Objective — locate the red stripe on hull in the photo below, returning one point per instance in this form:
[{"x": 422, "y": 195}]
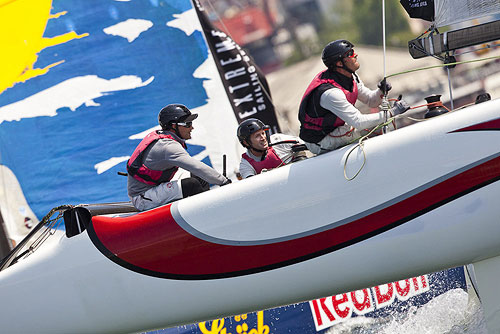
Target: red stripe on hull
[
  {"x": 154, "y": 244},
  {"x": 493, "y": 125}
]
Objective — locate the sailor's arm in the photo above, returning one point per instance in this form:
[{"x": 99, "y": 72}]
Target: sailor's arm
[
  {"x": 246, "y": 170},
  {"x": 371, "y": 98},
  {"x": 179, "y": 157},
  {"x": 282, "y": 145},
  {"x": 335, "y": 101}
]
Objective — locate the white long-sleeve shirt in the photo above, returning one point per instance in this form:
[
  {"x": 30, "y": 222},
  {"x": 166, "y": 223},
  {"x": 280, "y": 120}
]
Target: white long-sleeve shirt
[{"x": 335, "y": 100}]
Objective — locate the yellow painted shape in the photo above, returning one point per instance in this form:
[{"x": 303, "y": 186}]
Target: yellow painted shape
[
  {"x": 36, "y": 72},
  {"x": 22, "y": 24},
  {"x": 56, "y": 15},
  {"x": 61, "y": 39},
  {"x": 217, "y": 326}
]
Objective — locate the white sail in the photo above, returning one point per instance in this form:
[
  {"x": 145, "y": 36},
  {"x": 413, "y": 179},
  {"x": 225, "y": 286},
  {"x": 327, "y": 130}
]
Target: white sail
[
  {"x": 448, "y": 12},
  {"x": 75, "y": 123}
]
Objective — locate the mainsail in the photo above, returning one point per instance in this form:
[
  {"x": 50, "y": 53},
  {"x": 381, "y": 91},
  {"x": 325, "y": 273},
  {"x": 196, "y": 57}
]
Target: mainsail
[
  {"x": 446, "y": 12},
  {"x": 452, "y": 12},
  {"x": 455, "y": 11},
  {"x": 91, "y": 84}
]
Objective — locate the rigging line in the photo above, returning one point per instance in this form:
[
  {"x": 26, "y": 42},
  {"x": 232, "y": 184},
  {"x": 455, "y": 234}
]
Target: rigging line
[
  {"x": 421, "y": 49},
  {"x": 442, "y": 65},
  {"x": 488, "y": 46},
  {"x": 383, "y": 33},
  {"x": 266, "y": 93},
  {"x": 450, "y": 87},
  {"x": 385, "y": 103},
  {"x": 389, "y": 121},
  {"x": 219, "y": 19},
  {"x": 238, "y": 2},
  {"x": 361, "y": 146}
]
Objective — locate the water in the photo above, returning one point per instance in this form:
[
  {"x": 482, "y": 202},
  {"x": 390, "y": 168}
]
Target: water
[{"x": 449, "y": 313}]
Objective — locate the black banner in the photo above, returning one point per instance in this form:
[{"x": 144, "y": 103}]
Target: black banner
[
  {"x": 245, "y": 85},
  {"x": 419, "y": 9}
]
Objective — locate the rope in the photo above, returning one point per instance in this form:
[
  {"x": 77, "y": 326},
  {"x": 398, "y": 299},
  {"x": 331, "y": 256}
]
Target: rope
[
  {"x": 488, "y": 46},
  {"x": 383, "y": 34},
  {"x": 432, "y": 104},
  {"x": 389, "y": 121},
  {"x": 443, "y": 65},
  {"x": 50, "y": 227},
  {"x": 343, "y": 135},
  {"x": 361, "y": 146},
  {"x": 219, "y": 19}
]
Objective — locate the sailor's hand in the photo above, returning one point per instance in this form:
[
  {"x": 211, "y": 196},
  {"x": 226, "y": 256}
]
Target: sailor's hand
[
  {"x": 226, "y": 182},
  {"x": 384, "y": 86},
  {"x": 399, "y": 107}
]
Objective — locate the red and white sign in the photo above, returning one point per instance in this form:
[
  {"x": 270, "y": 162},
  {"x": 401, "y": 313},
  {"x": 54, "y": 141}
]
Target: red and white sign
[{"x": 332, "y": 310}]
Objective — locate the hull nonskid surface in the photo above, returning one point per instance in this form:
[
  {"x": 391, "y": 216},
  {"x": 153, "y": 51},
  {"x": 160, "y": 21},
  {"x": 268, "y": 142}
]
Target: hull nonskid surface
[{"x": 425, "y": 200}]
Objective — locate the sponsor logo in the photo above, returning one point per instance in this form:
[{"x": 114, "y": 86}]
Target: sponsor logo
[
  {"x": 332, "y": 310},
  {"x": 241, "y": 323}
]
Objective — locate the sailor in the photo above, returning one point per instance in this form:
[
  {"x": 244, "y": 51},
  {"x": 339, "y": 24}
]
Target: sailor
[
  {"x": 327, "y": 113},
  {"x": 159, "y": 155},
  {"x": 264, "y": 152}
]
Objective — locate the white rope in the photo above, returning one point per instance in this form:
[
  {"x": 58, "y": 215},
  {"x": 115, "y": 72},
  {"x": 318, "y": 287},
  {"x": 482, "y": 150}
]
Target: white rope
[
  {"x": 361, "y": 146},
  {"x": 385, "y": 103},
  {"x": 383, "y": 31}
]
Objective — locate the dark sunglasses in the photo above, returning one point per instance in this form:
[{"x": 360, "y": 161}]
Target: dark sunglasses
[
  {"x": 350, "y": 53},
  {"x": 186, "y": 125}
]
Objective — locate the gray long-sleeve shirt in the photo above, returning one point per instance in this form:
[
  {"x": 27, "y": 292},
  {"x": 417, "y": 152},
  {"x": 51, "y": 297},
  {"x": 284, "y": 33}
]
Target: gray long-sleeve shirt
[{"x": 167, "y": 153}]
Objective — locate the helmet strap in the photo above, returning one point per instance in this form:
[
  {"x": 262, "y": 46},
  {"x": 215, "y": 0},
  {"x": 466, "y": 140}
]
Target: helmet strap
[
  {"x": 251, "y": 148},
  {"x": 345, "y": 67},
  {"x": 263, "y": 156},
  {"x": 176, "y": 130}
]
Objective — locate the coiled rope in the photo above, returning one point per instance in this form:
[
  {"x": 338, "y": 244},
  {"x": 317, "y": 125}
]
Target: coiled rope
[{"x": 361, "y": 140}]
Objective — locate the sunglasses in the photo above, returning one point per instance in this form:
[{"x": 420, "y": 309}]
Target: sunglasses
[
  {"x": 186, "y": 125},
  {"x": 350, "y": 53}
]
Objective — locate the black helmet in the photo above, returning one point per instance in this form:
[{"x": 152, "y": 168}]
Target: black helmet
[
  {"x": 335, "y": 51},
  {"x": 175, "y": 113},
  {"x": 247, "y": 127}
]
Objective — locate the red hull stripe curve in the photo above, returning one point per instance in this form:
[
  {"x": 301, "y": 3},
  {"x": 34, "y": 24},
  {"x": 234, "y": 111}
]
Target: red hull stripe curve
[
  {"x": 493, "y": 125},
  {"x": 154, "y": 244}
]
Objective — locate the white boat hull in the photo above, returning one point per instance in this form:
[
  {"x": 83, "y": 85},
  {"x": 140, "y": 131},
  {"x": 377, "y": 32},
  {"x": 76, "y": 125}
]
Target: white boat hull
[{"x": 426, "y": 200}]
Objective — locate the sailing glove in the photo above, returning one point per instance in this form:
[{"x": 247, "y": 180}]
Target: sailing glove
[
  {"x": 226, "y": 182},
  {"x": 399, "y": 107},
  {"x": 384, "y": 86}
]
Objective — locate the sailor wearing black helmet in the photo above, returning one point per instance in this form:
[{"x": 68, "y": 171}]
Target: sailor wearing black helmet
[
  {"x": 327, "y": 113},
  {"x": 265, "y": 152},
  {"x": 158, "y": 157}
]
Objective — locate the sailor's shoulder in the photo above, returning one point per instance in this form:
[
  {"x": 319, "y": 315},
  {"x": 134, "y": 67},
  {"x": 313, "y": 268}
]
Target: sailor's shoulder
[{"x": 278, "y": 137}]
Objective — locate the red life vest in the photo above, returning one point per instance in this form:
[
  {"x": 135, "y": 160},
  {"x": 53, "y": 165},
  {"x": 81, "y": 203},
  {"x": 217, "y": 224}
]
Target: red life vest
[
  {"x": 139, "y": 171},
  {"x": 270, "y": 161},
  {"x": 316, "y": 121}
]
